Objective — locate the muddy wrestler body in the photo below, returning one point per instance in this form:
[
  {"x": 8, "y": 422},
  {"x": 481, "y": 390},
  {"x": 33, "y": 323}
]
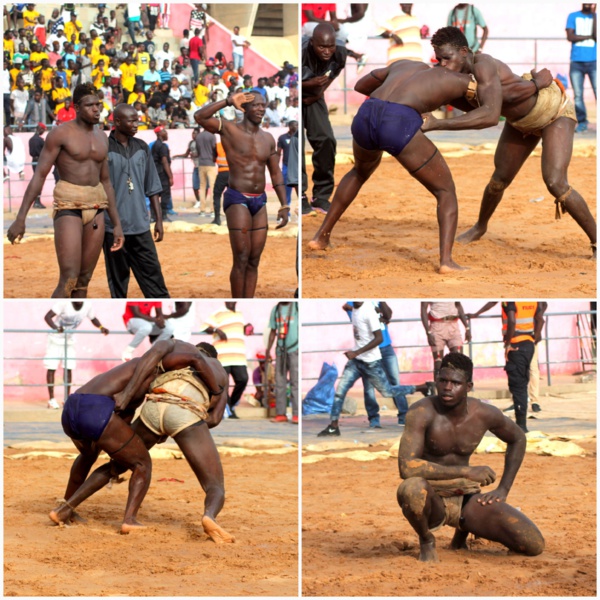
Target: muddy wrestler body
[
  {"x": 187, "y": 395},
  {"x": 440, "y": 488},
  {"x": 79, "y": 150},
  {"x": 249, "y": 150}
]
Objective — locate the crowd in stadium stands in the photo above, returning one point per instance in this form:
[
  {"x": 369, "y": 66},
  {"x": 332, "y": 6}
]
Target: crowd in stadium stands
[{"x": 46, "y": 57}]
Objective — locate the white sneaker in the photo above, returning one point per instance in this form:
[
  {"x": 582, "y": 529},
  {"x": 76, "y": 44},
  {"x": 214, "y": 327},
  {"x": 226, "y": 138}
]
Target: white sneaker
[
  {"x": 127, "y": 354},
  {"x": 196, "y": 205},
  {"x": 52, "y": 403}
]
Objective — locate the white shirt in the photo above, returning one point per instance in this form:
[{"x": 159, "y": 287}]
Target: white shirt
[
  {"x": 69, "y": 318},
  {"x": 240, "y": 39},
  {"x": 365, "y": 321},
  {"x": 290, "y": 114},
  {"x": 160, "y": 58}
]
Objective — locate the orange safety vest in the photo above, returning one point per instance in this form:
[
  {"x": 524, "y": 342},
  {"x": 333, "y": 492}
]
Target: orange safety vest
[
  {"x": 524, "y": 323},
  {"x": 221, "y": 159}
]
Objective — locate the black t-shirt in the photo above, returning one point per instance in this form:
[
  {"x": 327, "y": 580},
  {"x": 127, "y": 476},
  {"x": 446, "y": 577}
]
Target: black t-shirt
[
  {"x": 313, "y": 66},
  {"x": 160, "y": 149},
  {"x": 36, "y": 143},
  {"x": 284, "y": 143}
]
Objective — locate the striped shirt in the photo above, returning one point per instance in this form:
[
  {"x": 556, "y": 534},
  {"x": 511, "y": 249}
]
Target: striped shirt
[{"x": 233, "y": 351}]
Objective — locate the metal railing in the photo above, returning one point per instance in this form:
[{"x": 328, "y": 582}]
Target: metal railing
[
  {"x": 65, "y": 360},
  {"x": 547, "y": 339}
]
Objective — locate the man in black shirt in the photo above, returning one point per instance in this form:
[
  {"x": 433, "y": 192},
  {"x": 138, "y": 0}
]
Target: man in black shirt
[
  {"x": 36, "y": 143},
  {"x": 322, "y": 61},
  {"x": 162, "y": 161}
]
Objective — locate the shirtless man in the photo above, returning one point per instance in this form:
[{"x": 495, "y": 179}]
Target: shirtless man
[
  {"x": 547, "y": 115},
  {"x": 440, "y": 488},
  {"x": 79, "y": 149},
  {"x": 186, "y": 421},
  {"x": 249, "y": 150},
  {"x": 399, "y": 94}
]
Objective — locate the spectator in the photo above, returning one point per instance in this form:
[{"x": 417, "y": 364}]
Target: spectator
[
  {"x": 291, "y": 112},
  {"x": 137, "y": 95},
  {"x": 142, "y": 62},
  {"x": 99, "y": 74},
  {"x": 229, "y": 73},
  {"x": 581, "y": 32},
  {"x": 192, "y": 152},
  {"x": 140, "y": 323},
  {"x": 156, "y": 113},
  {"x": 239, "y": 43},
  {"x": 175, "y": 91},
  {"x": 66, "y": 113},
  {"x": 73, "y": 28},
  {"x": 207, "y": 156},
  {"x": 283, "y": 153},
  {"x": 165, "y": 54},
  {"x": 179, "y": 117},
  {"x": 201, "y": 93},
  {"x": 151, "y": 77},
  {"x": 149, "y": 44},
  {"x": 165, "y": 73},
  {"x": 272, "y": 114},
  {"x": 184, "y": 42},
  {"x": 162, "y": 162},
  {"x": 38, "y": 111},
  {"x": 133, "y": 20},
  {"x": 196, "y": 53},
  {"x": 36, "y": 144},
  {"x": 283, "y": 324},
  {"x": 229, "y": 331},
  {"x": 128, "y": 70},
  {"x": 221, "y": 182},
  {"x": 467, "y": 18},
  {"x": 18, "y": 103},
  {"x": 164, "y": 15},
  {"x": 14, "y": 151},
  {"x": 59, "y": 94},
  {"x": 153, "y": 11},
  {"x": 403, "y": 31}
]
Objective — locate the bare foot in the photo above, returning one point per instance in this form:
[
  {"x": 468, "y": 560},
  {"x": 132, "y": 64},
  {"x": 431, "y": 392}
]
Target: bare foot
[
  {"x": 133, "y": 525},
  {"x": 472, "y": 235},
  {"x": 77, "y": 518},
  {"x": 450, "y": 267},
  {"x": 459, "y": 541},
  {"x": 319, "y": 242},
  {"x": 428, "y": 552},
  {"x": 62, "y": 514},
  {"x": 216, "y": 532}
]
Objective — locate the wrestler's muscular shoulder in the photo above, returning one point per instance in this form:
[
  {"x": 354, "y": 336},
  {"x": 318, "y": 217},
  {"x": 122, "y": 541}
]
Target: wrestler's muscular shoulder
[{"x": 82, "y": 144}]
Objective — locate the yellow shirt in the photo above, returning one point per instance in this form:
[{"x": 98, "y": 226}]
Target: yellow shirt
[
  {"x": 70, "y": 29},
  {"x": 29, "y": 18},
  {"x": 128, "y": 78},
  {"x": 9, "y": 46},
  {"x": 37, "y": 57},
  {"x": 133, "y": 97},
  {"x": 96, "y": 57},
  {"x": 13, "y": 78},
  {"x": 200, "y": 94},
  {"x": 59, "y": 95},
  {"x": 98, "y": 77},
  {"x": 143, "y": 63},
  {"x": 142, "y": 121},
  {"x": 47, "y": 76}
]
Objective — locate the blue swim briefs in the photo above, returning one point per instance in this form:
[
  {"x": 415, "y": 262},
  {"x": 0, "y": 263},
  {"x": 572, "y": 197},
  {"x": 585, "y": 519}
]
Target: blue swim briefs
[
  {"x": 382, "y": 125},
  {"x": 252, "y": 202},
  {"x": 85, "y": 416}
]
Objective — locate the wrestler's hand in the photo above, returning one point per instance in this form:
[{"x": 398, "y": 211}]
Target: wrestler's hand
[
  {"x": 483, "y": 475},
  {"x": 118, "y": 239},
  {"x": 121, "y": 401},
  {"x": 542, "y": 78},
  {"x": 158, "y": 231},
  {"x": 283, "y": 214},
  {"x": 429, "y": 122},
  {"x": 241, "y": 98},
  {"x": 16, "y": 232},
  {"x": 497, "y": 495}
]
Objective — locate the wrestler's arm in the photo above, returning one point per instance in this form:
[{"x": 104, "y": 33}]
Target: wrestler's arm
[
  {"x": 371, "y": 81},
  {"x": 278, "y": 184},
  {"x": 412, "y": 448},
  {"x": 204, "y": 116},
  {"x": 143, "y": 369},
  {"x": 50, "y": 152},
  {"x": 118, "y": 238},
  {"x": 516, "y": 442},
  {"x": 489, "y": 92}
]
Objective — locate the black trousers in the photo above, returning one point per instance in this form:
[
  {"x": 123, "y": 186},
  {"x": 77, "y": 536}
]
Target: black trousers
[
  {"x": 517, "y": 366},
  {"x": 218, "y": 188},
  {"x": 138, "y": 255},
  {"x": 240, "y": 378},
  {"x": 320, "y": 135}
]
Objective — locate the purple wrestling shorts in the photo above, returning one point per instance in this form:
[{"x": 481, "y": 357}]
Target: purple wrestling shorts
[
  {"x": 382, "y": 125},
  {"x": 85, "y": 416},
  {"x": 253, "y": 202}
]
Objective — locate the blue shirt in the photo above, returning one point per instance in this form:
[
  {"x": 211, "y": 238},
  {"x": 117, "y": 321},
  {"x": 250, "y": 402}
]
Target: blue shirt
[
  {"x": 582, "y": 24},
  {"x": 387, "y": 340}
]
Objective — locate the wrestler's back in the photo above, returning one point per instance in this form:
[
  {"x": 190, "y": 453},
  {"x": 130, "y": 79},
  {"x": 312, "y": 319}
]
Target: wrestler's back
[
  {"x": 82, "y": 153},
  {"x": 247, "y": 156},
  {"x": 421, "y": 87}
]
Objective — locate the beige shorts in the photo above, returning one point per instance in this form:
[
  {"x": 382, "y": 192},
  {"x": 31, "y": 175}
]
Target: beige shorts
[
  {"x": 445, "y": 333},
  {"x": 55, "y": 353},
  {"x": 167, "y": 419}
]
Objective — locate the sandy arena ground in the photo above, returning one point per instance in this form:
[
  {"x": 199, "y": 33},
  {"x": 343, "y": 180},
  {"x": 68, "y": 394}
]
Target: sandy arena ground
[
  {"x": 356, "y": 542},
  {"x": 195, "y": 265},
  {"x": 386, "y": 244},
  {"x": 173, "y": 557}
]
